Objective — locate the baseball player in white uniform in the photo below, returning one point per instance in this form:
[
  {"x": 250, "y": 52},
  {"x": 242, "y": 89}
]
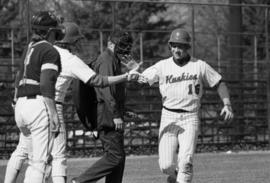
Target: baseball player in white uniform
[
  {"x": 181, "y": 79},
  {"x": 72, "y": 68}
]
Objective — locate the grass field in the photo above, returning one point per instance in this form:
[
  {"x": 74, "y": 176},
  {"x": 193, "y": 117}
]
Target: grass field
[{"x": 246, "y": 167}]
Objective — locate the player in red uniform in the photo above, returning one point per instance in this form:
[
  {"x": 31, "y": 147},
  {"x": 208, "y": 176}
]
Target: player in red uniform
[{"x": 35, "y": 111}]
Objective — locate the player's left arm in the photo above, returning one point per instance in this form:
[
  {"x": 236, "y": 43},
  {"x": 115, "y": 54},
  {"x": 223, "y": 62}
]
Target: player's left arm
[
  {"x": 224, "y": 95},
  {"x": 50, "y": 69},
  {"x": 214, "y": 79}
]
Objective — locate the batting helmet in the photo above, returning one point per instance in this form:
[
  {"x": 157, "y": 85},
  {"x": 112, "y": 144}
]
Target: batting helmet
[
  {"x": 123, "y": 42},
  {"x": 44, "y": 22},
  {"x": 180, "y": 36},
  {"x": 72, "y": 33}
]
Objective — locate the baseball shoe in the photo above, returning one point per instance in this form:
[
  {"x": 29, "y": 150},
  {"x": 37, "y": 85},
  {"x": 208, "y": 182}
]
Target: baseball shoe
[{"x": 171, "y": 179}]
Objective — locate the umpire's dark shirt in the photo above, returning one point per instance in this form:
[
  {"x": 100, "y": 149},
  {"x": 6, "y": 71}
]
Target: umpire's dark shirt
[{"x": 110, "y": 99}]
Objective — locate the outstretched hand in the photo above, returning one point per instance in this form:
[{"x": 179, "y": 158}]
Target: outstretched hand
[
  {"x": 132, "y": 65},
  {"x": 227, "y": 112},
  {"x": 134, "y": 75}
]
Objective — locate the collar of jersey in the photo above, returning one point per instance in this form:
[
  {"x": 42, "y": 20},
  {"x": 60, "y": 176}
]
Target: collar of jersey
[{"x": 39, "y": 42}]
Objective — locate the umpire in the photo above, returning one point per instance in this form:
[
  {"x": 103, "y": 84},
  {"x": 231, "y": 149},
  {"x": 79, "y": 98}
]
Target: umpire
[{"x": 110, "y": 114}]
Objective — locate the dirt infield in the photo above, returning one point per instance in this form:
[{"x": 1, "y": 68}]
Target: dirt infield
[{"x": 244, "y": 167}]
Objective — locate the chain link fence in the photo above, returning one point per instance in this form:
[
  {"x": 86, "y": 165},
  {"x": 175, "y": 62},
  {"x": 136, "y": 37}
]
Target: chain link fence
[{"x": 246, "y": 77}]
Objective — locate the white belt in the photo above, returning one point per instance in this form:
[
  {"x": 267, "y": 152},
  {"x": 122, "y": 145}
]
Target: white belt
[{"x": 28, "y": 81}]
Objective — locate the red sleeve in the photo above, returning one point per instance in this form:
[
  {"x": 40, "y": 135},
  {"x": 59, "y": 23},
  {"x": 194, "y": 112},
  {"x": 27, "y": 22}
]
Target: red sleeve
[
  {"x": 51, "y": 60},
  {"x": 50, "y": 70}
]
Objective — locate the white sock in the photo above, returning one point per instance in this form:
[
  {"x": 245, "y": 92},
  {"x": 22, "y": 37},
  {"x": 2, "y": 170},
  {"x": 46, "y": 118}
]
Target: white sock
[{"x": 59, "y": 179}]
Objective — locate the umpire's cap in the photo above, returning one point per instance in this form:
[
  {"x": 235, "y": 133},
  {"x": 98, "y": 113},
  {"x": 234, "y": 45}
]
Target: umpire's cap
[
  {"x": 180, "y": 36},
  {"x": 72, "y": 33}
]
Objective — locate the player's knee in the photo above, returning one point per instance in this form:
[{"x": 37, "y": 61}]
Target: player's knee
[
  {"x": 38, "y": 167},
  {"x": 117, "y": 158},
  {"x": 121, "y": 158},
  {"x": 16, "y": 162},
  {"x": 35, "y": 172}
]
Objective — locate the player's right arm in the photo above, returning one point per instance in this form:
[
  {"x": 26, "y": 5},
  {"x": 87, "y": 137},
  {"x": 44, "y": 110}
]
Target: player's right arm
[
  {"x": 112, "y": 80},
  {"x": 18, "y": 77},
  {"x": 15, "y": 97},
  {"x": 83, "y": 72},
  {"x": 151, "y": 74}
]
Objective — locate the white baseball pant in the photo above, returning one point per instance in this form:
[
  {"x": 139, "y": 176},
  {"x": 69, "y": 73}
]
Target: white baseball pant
[
  {"x": 177, "y": 142},
  {"x": 17, "y": 158},
  {"x": 59, "y": 162},
  {"x": 31, "y": 116},
  {"x": 23, "y": 149}
]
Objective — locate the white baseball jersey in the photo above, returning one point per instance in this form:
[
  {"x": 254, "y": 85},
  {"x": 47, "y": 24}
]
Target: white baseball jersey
[
  {"x": 72, "y": 67},
  {"x": 181, "y": 86}
]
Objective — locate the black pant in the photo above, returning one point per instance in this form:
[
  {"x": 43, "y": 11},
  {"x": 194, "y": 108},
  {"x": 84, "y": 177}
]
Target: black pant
[{"x": 112, "y": 163}]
